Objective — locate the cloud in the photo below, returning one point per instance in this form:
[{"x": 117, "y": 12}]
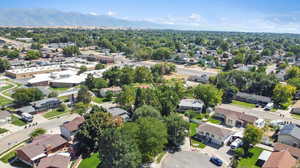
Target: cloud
[
  {"x": 93, "y": 13},
  {"x": 111, "y": 13},
  {"x": 195, "y": 17}
]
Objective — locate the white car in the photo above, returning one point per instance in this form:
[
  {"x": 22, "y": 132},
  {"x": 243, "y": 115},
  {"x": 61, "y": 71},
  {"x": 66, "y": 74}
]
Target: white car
[{"x": 236, "y": 143}]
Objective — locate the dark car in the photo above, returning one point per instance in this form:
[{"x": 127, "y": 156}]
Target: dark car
[{"x": 216, "y": 161}]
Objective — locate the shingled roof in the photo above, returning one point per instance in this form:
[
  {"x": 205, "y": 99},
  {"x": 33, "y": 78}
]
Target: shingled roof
[
  {"x": 54, "y": 161},
  {"x": 74, "y": 124},
  {"x": 236, "y": 115},
  {"x": 281, "y": 159},
  {"x": 216, "y": 130}
]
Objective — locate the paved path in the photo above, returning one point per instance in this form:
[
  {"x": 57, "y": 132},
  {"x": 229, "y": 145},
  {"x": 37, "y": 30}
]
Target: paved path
[
  {"x": 16, "y": 137},
  {"x": 187, "y": 160},
  {"x": 3, "y": 91}
]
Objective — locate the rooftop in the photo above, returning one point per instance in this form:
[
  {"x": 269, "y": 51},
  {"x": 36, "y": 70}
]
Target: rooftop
[
  {"x": 281, "y": 159},
  {"x": 34, "y": 69},
  {"x": 216, "y": 130},
  {"x": 191, "y": 103},
  {"x": 74, "y": 124},
  {"x": 290, "y": 129}
]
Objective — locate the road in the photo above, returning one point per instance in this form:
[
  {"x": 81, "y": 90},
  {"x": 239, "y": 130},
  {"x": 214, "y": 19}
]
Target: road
[
  {"x": 262, "y": 114},
  {"x": 16, "y": 137},
  {"x": 187, "y": 160}
]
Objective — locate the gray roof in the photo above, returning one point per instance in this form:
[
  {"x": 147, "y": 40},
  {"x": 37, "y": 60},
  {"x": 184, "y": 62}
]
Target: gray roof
[
  {"x": 43, "y": 101},
  {"x": 254, "y": 97},
  {"x": 26, "y": 109},
  {"x": 290, "y": 129},
  {"x": 118, "y": 112},
  {"x": 191, "y": 103}
]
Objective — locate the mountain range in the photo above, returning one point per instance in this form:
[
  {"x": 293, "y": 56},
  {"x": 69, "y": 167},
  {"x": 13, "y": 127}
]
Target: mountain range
[{"x": 52, "y": 17}]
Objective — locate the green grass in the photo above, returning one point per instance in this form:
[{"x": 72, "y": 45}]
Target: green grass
[
  {"x": 54, "y": 113},
  {"x": 193, "y": 129},
  {"x": 90, "y": 162},
  {"x": 160, "y": 156},
  {"x": 98, "y": 99},
  {"x": 3, "y": 130},
  {"x": 214, "y": 120},
  {"x": 64, "y": 98},
  {"x": 58, "y": 89},
  {"x": 4, "y": 101},
  {"x": 17, "y": 121},
  {"x": 249, "y": 162},
  {"x": 242, "y": 104},
  {"x": 6, "y": 87},
  {"x": 8, "y": 157},
  {"x": 197, "y": 144}
]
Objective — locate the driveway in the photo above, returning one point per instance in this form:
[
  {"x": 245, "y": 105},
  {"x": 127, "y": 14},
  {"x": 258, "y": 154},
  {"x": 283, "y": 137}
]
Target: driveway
[{"x": 187, "y": 160}]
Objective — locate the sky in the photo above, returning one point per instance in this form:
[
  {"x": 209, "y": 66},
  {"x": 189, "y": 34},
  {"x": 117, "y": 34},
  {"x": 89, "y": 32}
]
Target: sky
[{"x": 282, "y": 16}]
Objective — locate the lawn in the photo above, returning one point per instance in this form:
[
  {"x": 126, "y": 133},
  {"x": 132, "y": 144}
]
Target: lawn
[
  {"x": 249, "y": 162},
  {"x": 193, "y": 129},
  {"x": 214, "y": 120},
  {"x": 17, "y": 121},
  {"x": 6, "y": 87},
  {"x": 90, "y": 162},
  {"x": 197, "y": 144},
  {"x": 242, "y": 104},
  {"x": 4, "y": 101},
  {"x": 98, "y": 99},
  {"x": 58, "y": 89},
  {"x": 8, "y": 157},
  {"x": 3, "y": 130},
  {"x": 64, "y": 98},
  {"x": 54, "y": 113}
]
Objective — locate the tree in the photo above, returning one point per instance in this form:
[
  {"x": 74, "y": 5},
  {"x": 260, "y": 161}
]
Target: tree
[
  {"x": 119, "y": 150},
  {"x": 84, "y": 95},
  {"x": 53, "y": 94},
  {"x": 80, "y": 108},
  {"x": 82, "y": 69},
  {"x": 177, "y": 130},
  {"x": 152, "y": 137},
  {"x": 146, "y": 111},
  {"x": 163, "y": 68},
  {"x": 209, "y": 94},
  {"x": 4, "y": 65},
  {"x": 252, "y": 136},
  {"x": 24, "y": 96},
  {"x": 71, "y": 51},
  {"x": 127, "y": 97},
  {"x": 91, "y": 131},
  {"x": 100, "y": 66},
  {"x": 36, "y": 46},
  {"x": 32, "y": 54},
  {"x": 168, "y": 99},
  {"x": 293, "y": 72},
  {"x": 13, "y": 54},
  {"x": 37, "y": 132},
  {"x": 283, "y": 94},
  {"x": 294, "y": 82},
  {"x": 62, "y": 107},
  {"x": 143, "y": 75},
  {"x": 162, "y": 53}
]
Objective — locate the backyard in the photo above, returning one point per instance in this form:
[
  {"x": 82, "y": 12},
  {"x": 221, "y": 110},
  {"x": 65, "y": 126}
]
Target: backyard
[
  {"x": 249, "y": 161},
  {"x": 90, "y": 162}
]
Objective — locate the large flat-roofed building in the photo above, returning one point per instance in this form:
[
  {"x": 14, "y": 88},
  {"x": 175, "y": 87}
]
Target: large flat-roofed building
[{"x": 30, "y": 72}]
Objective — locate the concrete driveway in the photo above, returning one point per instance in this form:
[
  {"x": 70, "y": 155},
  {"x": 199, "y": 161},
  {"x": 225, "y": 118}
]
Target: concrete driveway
[{"x": 187, "y": 160}]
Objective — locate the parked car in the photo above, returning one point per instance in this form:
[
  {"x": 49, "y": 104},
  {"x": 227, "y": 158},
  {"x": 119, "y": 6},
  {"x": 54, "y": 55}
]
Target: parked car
[
  {"x": 269, "y": 106},
  {"x": 26, "y": 117},
  {"x": 236, "y": 144},
  {"x": 216, "y": 161}
]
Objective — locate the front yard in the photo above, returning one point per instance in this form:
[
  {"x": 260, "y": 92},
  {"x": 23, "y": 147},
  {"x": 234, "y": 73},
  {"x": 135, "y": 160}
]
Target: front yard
[
  {"x": 193, "y": 129},
  {"x": 249, "y": 161},
  {"x": 197, "y": 144},
  {"x": 8, "y": 157},
  {"x": 243, "y": 104},
  {"x": 54, "y": 113},
  {"x": 17, "y": 121},
  {"x": 91, "y": 162}
]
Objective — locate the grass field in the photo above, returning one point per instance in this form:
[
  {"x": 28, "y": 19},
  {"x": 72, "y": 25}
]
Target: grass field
[
  {"x": 16, "y": 121},
  {"x": 4, "y": 101},
  {"x": 90, "y": 162},
  {"x": 54, "y": 113},
  {"x": 249, "y": 162},
  {"x": 3, "y": 130},
  {"x": 214, "y": 120},
  {"x": 193, "y": 129},
  {"x": 8, "y": 157},
  {"x": 242, "y": 104},
  {"x": 98, "y": 99}
]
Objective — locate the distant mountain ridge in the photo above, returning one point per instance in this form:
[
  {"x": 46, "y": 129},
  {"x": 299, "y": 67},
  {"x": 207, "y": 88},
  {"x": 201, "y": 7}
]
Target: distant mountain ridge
[{"x": 51, "y": 17}]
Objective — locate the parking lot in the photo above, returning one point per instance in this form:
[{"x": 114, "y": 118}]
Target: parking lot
[{"x": 187, "y": 160}]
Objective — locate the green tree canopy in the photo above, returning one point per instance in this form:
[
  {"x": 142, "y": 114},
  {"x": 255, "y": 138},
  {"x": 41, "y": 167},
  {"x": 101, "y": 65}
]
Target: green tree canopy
[
  {"x": 146, "y": 111},
  {"x": 209, "y": 94}
]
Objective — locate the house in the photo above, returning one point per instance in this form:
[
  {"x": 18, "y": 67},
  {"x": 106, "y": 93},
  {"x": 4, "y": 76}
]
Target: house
[
  {"x": 40, "y": 147},
  {"x": 214, "y": 134},
  {"x": 59, "y": 160},
  {"x": 118, "y": 112},
  {"x": 295, "y": 152},
  {"x": 190, "y": 104},
  {"x": 282, "y": 159},
  {"x": 296, "y": 108},
  {"x": 234, "y": 118},
  {"x": 45, "y": 104},
  {"x": 252, "y": 98},
  {"x": 114, "y": 90},
  {"x": 69, "y": 129},
  {"x": 289, "y": 134}
]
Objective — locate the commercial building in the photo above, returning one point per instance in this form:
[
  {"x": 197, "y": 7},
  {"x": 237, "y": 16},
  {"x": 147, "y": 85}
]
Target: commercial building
[{"x": 30, "y": 72}]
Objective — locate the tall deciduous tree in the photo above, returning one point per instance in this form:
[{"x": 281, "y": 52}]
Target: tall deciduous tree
[
  {"x": 146, "y": 111},
  {"x": 84, "y": 95},
  {"x": 252, "y": 136},
  {"x": 209, "y": 94},
  {"x": 283, "y": 94}
]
